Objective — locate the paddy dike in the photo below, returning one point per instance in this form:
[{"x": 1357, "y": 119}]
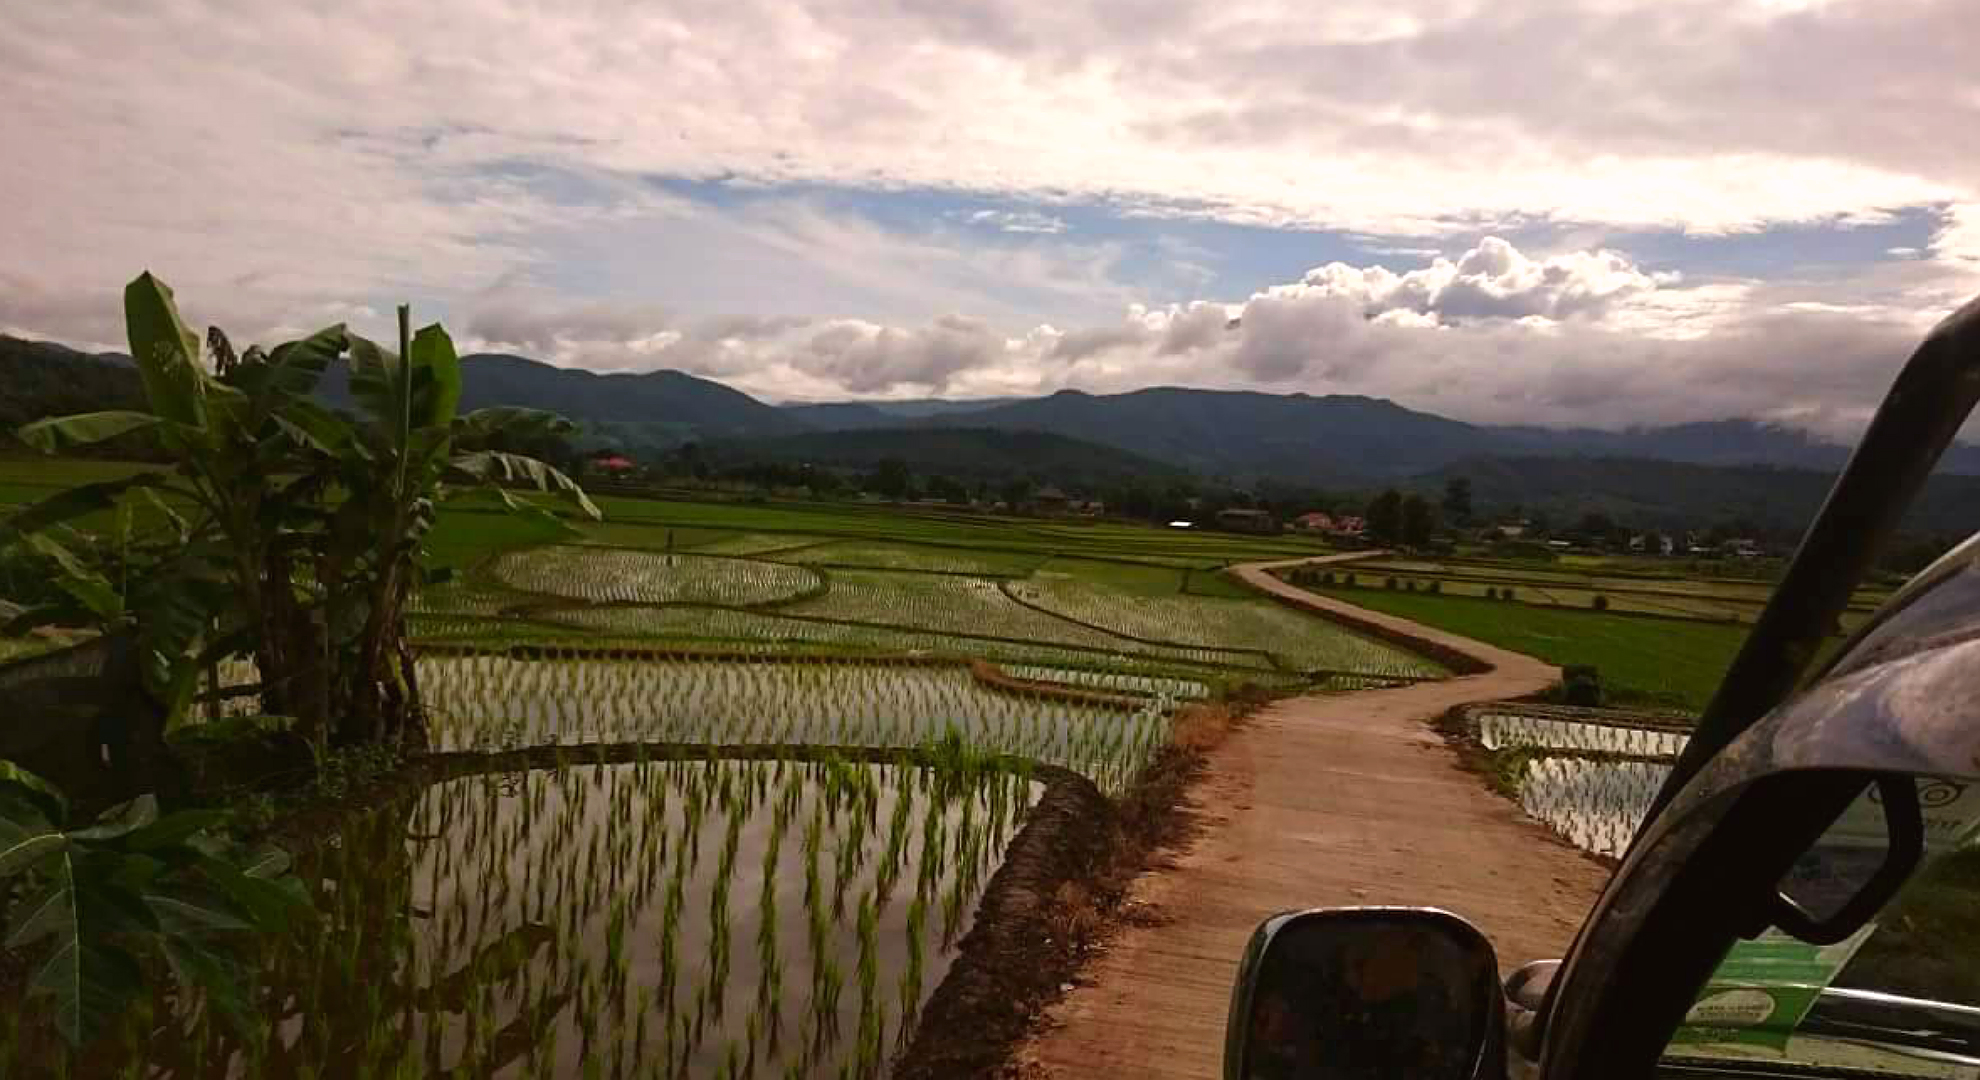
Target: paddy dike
[{"x": 1317, "y": 801}]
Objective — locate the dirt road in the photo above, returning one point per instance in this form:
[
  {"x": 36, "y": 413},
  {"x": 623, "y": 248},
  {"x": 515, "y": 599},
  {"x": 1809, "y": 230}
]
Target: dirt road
[{"x": 1343, "y": 799}]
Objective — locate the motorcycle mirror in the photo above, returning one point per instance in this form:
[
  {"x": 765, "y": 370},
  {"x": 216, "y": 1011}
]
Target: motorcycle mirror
[{"x": 1348, "y": 993}]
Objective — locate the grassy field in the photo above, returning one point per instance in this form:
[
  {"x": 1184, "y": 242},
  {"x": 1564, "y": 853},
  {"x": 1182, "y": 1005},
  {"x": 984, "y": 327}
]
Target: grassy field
[
  {"x": 1666, "y": 663},
  {"x": 1655, "y": 590}
]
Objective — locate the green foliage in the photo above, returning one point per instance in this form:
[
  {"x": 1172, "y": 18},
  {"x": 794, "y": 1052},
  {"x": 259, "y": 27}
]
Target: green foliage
[
  {"x": 1015, "y": 461},
  {"x": 1419, "y": 522},
  {"x": 1581, "y": 684},
  {"x": 304, "y": 527},
  {"x": 1384, "y": 518},
  {"x": 891, "y": 478},
  {"x": 1457, "y": 500},
  {"x": 101, "y": 897}
]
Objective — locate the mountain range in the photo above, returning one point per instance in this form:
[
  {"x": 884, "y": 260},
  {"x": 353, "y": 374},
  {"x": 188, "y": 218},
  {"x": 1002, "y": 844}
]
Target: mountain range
[
  {"x": 1339, "y": 439},
  {"x": 1239, "y": 438}
]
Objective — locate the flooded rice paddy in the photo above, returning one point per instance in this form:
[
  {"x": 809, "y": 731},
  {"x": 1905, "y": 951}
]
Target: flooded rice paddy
[
  {"x": 654, "y": 919},
  {"x": 1591, "y": 780},
  {"x": 495, "y": 702}
]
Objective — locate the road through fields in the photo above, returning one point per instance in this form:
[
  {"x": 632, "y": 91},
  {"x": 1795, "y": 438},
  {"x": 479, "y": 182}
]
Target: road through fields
[{"x": 1318, "y": 801}]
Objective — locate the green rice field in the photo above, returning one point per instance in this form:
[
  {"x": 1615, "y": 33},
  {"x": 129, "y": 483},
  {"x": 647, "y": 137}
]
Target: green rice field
[
  {"x": 1141, "y": 602},
  {"x": 1665, "y": 593},
  {"x": 1647, "y": 662}
]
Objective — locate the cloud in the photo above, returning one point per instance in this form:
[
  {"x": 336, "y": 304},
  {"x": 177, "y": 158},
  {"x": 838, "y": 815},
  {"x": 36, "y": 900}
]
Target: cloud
[
  {"x": 518, "y": 169},
  {"x": 1399, "y": 118},
  {"x": 1574, "y": 338},
  {"x": 1491, "y": 281}
]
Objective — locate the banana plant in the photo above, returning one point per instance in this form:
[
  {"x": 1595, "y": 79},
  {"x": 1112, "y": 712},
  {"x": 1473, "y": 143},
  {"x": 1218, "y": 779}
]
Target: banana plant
[
  {"x": 104, "y": 896},
  {"x": 302, "y": 527}
]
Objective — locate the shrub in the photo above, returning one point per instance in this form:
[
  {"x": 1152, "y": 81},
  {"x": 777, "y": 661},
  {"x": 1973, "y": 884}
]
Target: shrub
[
  {"x": 1581, "y": 684},
  {"x": 1390, "y": 583},
  {"x": 108, "y": 895},
  {"x": 1327, "y": 578},
  {"x": 1506, "y": 593},
  {"x": 1600, "y": 603},
  {"x": 1436, "y": 585}
]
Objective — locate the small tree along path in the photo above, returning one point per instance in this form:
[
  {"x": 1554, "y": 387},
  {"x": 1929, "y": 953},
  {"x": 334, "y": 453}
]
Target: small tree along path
[{"x": 1319, "y": 801}]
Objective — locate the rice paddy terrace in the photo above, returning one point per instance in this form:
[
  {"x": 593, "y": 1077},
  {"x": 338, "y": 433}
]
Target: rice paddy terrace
[
  {"x": 1143, "y": 615},
  {"x": 726, "y": 798}
]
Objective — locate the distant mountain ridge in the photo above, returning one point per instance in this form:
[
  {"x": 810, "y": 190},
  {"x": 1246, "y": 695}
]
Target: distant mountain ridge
[
  {"x": 854, "y": 415},
  {"x": 965, "y": 453},
  {"x": 701, "y": 407},
  {"x": 41, "y": 378},
  {"x": 1242, "y": 437},
  {"x": 1677, "y": 495}
]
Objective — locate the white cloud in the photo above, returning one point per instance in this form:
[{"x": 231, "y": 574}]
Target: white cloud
[
  {"x": 356, "y": 134},
  {"x": 495, "y": 161},
  {"x": 1492, "y": 281},
  {"x": 1565, "y": 343}
]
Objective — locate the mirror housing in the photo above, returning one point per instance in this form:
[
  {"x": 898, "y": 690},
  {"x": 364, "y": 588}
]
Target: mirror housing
[{"x": 1346, "y": 993}]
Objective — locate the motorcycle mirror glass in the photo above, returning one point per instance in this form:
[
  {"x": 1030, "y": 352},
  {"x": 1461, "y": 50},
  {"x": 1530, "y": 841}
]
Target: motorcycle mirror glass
[{"x": 1353, "y": 993}]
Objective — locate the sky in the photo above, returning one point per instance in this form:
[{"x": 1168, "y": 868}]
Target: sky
[{"x": 1593, "y": 212}]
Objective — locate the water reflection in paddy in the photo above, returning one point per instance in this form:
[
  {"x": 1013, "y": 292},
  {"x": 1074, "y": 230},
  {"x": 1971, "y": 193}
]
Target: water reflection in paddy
[{"x": 687, "y": 918}]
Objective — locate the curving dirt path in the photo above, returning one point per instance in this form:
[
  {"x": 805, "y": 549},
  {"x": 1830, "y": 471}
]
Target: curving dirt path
[{"x": 1318, "y": 801}]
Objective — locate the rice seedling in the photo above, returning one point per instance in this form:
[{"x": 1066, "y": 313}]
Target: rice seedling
[
  {"x": 958, "y": 604},
  {"x": 1513, "y": 725},
  {"x": 1113, "y": 682},
  {"x": 501, "y": 702},
  {"x": 1595, "y": 804},
  {"x": 1590, "y": 777},
  {"x": 557, "y": 922},
  {"x": 612, "y": 575},
  {"x": 1299, "y": 641}
]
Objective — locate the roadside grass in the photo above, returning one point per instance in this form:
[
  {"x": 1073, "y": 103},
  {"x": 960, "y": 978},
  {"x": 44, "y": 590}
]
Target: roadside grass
[{"x": 1666, "y": 663}]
